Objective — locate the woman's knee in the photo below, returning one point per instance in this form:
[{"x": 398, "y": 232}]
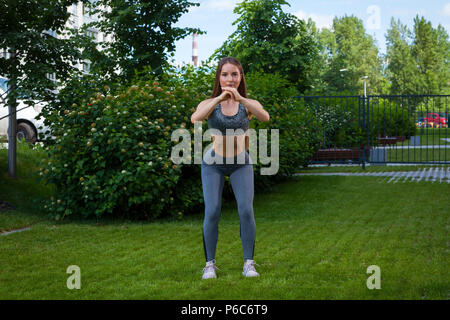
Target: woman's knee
[
  {"x": 246, "y": 212},
  {"x": 212, "y": 213}
]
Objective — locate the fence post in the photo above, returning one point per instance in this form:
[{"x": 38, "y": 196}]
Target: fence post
[
  {"x": 364, "y": 128},
  {"x": 367, "y": 127}
]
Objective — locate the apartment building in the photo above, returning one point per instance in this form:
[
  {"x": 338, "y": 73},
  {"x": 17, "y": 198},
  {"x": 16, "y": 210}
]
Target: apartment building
[
  {"x": 27, "y": 125},
  {"x": 79, "y": 16}
]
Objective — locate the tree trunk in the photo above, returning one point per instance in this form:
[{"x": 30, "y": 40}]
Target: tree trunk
[{"x": 12, "y": 127}]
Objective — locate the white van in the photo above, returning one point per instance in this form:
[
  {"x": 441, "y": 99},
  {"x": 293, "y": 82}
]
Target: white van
[{"x": 28, "y": 127}]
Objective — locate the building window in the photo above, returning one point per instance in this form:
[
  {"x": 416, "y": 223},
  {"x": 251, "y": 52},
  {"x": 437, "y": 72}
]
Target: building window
[
  {"x": 74, "y": 9},
  {"x": 50, "y": 33},
  {"x": 3, "y": 84},
  {"x": 92, "y": 34},
  {"x": 51, "y": 76},
  {"x": 87, "y": 10},
  {"x": 86, "y": 66},
  {"x": 4, "y": 53}
]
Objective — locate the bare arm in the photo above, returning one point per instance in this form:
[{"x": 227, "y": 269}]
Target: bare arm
[
  {"x": 253, "y": 107},
  {"x": 256, "y": 109},
  {"x": 207, "y": 106}
]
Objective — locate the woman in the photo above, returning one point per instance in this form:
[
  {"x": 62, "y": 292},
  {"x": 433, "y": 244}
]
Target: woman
[{"x": 228, "y": 108}]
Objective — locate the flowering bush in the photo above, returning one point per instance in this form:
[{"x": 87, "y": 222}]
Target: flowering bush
[{"x": 111, "y": 152}]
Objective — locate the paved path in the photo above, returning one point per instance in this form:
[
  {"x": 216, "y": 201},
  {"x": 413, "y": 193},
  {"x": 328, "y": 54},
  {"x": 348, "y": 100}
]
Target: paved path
[
  {"x": 431, "y": 146},
  {"x": 5, "y": 233},
  {"x": 438, "y": 174},
  {"x": 4, "y": 145}
]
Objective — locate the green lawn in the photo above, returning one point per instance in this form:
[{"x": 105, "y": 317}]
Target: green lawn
[
  {"x": 357, "y": 168},
  {"x": 316, "y": 236},
  {"x": 434, "y": 136},
  {"x": 435, "y": 154},
  {"x": 429, "y": 136},
  {"x": 24, "y": 191}
]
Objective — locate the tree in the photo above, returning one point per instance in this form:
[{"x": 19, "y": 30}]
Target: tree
[
  {"x": 27, "y": 30},
  {"x": 401, "y": 70},
  {"x": 142, "y": 31},
  {"x": 327, "y": 49},
  {"x": 357, "y": 53},
  {"x": 269, "y": 40},
  {"x": 418, "y": 60},
  {"x": 431, "y": 49}
]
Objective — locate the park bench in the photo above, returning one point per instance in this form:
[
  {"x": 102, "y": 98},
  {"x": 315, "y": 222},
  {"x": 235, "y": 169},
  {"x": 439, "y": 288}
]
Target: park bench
[
  {"x": 391, "y": 140},
  {"x": 331, "y": 154}
]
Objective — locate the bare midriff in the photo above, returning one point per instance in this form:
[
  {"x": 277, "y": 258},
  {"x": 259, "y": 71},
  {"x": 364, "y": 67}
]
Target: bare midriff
[{"x": 231, "y": 145}]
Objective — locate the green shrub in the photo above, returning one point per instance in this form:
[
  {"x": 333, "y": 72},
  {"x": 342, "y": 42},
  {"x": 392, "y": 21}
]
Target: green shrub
[
  {"x": 340, "y": 126},
  {"x": 112, "y": 145},
  {"x": 388, "y": 118},
  {"x": 342, "y": 120},
  {"x": 298, "y": 128},
  {"x": 112, "y": 152}
]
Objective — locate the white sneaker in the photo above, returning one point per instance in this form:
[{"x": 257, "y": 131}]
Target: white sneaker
[
  {"x": 249, "y": 269},
  {"x": 209, "y": 271}
]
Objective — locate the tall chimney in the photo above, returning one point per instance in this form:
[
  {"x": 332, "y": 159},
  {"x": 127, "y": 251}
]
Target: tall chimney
[{"x": 194, "y": 49}]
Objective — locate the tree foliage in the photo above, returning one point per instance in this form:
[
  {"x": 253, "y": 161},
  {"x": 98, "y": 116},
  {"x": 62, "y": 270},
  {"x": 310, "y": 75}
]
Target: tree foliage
[
  {"x": 268, "y": 40},
  {"x": 350, "y": 47},
  {"x": 143, "y": 34},
  {"x": 27, "y": 30},
  {"x": 431, "y": 49},
  {"x": 401, "y": 69},
  {"x": 418, "y": 59}
]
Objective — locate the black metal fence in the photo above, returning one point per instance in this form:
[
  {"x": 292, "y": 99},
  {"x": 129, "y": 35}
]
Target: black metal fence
[{"x": 381, "y": 128}]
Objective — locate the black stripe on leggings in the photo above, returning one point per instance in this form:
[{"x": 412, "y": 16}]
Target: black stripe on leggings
[
  {"x": 253, "y": 250},
  {"x": 204, "y": 245}
]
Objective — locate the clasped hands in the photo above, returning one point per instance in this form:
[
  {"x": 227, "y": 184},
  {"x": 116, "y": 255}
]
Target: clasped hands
[{"x": 230, "y": 93}]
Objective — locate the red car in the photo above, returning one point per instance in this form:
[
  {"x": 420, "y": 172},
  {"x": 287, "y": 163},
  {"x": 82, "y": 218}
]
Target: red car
[{"x": 436, "y": 120}]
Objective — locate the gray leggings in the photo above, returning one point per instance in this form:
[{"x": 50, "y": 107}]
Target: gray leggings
[{"x": 241, "y": 177}]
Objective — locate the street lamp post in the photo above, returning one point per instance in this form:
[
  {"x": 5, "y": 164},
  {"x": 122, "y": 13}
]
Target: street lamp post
[
  {"x": 342, "y": 75},
  {"x": 365, "y": 121},
  {"x": 365, "y": 91}
]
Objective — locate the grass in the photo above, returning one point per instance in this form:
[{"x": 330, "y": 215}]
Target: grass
[
  {"x": 316, "y": 236},
  {"x": 23, "y": 191},
  {"x": 429, "y": 136},
  {"x": 369, "y": 168},
  {"x": 412, "y": 154}
]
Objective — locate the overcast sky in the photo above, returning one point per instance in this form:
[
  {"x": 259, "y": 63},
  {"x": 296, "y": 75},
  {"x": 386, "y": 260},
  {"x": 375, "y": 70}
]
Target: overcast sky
[{"x": 216, "y": 18}]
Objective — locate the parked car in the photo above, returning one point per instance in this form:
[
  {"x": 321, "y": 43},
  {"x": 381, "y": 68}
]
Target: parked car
[
  {"x": 422, "y": 123},
  {"x": 436, "y": 120},
  {"x": 28, "y": 127}
]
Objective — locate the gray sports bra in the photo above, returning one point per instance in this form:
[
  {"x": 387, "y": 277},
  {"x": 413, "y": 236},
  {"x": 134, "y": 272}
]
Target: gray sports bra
[{"x": 221, "y": 122}]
